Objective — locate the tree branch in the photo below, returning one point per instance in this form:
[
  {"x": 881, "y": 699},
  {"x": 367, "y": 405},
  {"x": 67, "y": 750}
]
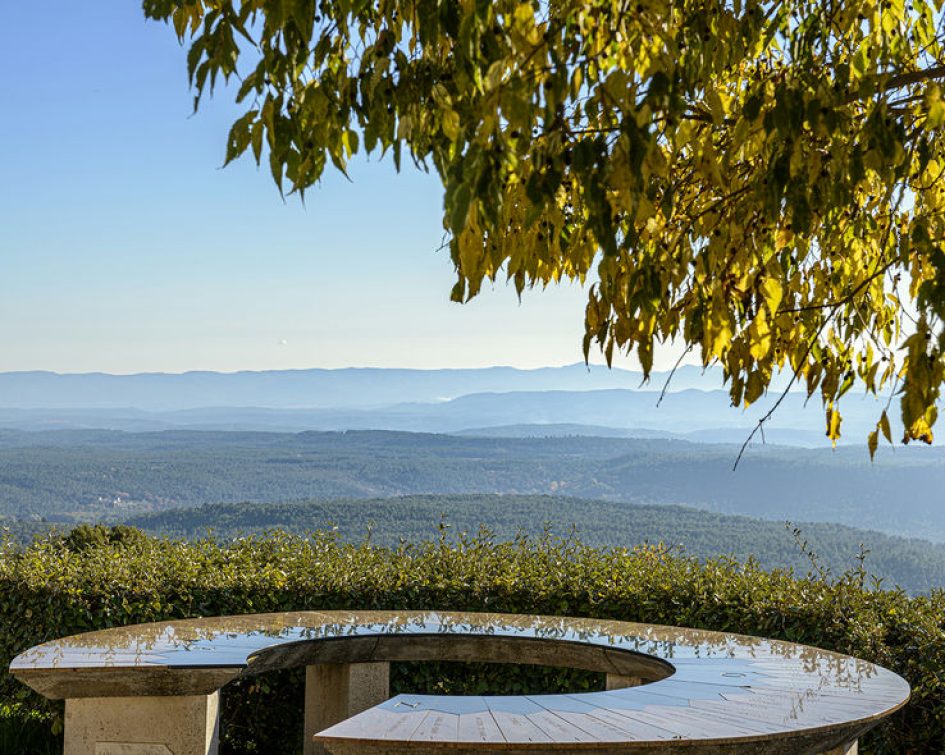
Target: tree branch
[{"x": 914, "y": 77}]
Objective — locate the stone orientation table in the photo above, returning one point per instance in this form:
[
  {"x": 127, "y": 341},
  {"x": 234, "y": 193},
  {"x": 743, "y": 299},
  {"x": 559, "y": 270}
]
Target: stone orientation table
[{"x": 153, "y": 689}]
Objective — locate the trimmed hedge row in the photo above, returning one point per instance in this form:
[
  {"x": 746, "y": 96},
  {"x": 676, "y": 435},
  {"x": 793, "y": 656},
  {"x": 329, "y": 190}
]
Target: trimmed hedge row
[{"x": 97, "y": 578}]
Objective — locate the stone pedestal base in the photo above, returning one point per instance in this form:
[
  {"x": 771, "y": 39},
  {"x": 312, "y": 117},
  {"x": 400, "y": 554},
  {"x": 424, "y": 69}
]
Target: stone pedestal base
[
  {"x": 336, "y": 691},
  {"x": 618, "y": 681},
  {"x": 850, "y": 748},
  {"x": 142, "y": 725}
]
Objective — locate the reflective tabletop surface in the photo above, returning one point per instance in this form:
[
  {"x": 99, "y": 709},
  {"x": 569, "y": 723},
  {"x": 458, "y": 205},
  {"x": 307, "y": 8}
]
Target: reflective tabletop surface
[{"x": 714, "y": 684}]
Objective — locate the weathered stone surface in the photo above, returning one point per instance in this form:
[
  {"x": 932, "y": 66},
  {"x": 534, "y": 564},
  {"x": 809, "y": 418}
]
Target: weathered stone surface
[
  {"x": 621, "y": 681},
  {"x": 708, "y": 692},
  {"x": 337, "y": 691},
  {"x": 151, "y": 681},
  {"x": 142, "y": 725},
  {"x": 125, "y": 748}
]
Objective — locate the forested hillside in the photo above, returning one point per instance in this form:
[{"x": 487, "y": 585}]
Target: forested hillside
[
  {"x": 89, "y": 475},
  {"x": 916, "y": 565}
]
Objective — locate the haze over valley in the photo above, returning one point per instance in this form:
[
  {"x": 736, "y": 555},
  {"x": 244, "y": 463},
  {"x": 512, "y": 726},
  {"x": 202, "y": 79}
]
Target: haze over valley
[
  {"x": 571, "y": 400},
  {"x": 574, "y": 447}
]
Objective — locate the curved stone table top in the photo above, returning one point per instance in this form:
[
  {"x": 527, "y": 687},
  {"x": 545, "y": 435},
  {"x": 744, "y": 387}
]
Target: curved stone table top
[{"x": 715, "y": 692}]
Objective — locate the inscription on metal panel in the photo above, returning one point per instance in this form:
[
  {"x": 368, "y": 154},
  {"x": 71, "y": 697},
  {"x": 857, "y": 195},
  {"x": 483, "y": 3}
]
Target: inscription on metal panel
[{"x": 131, "y": 748}]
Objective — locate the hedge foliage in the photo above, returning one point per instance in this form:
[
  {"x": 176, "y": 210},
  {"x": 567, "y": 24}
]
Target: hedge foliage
[{"x": 97, "y": 578}]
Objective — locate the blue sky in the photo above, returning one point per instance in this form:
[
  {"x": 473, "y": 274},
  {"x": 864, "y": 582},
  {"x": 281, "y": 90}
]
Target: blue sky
[{"x": 126, "y": 248}]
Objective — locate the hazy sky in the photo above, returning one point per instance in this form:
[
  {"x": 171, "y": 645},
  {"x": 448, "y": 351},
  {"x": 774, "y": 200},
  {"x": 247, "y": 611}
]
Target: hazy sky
[{"x": 125, "y": 248}]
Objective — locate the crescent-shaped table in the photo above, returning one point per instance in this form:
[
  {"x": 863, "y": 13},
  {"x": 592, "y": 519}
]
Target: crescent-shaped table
[{"x": 152, "y": 689}]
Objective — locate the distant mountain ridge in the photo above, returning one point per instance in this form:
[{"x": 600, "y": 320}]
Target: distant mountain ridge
[
  {"x": 316, "y": 388},
  {"x": 701, "y": 416}
]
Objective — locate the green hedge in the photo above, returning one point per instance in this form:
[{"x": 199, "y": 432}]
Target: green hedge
[{"x": 97, "y": 578}]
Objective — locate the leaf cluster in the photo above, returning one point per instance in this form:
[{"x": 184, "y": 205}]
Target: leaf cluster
[{"x": 760, "y": 180}]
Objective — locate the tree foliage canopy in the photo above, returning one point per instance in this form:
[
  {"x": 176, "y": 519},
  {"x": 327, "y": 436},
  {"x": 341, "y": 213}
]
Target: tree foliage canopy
[{"x": 761, "y": 181}]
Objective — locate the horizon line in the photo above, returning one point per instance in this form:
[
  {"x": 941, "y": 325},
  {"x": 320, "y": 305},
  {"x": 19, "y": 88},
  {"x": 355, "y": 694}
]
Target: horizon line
[{"x": 361, "y": 368}]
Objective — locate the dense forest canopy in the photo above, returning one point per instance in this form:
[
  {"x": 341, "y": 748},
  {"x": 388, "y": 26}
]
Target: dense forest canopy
[
  {"x": 818, "y": 547},
  {"x": 760, "y": 181},
  {"x": 74, "y": 476}
]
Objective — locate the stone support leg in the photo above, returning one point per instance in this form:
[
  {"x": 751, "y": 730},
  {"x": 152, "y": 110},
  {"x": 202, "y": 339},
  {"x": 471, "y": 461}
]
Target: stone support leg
[
  {"x": 850, "y": 748},
  {"x": 618, "y": 681},
  {"x": 336, "y": 691},
  {"x": 142, "y": 725}
]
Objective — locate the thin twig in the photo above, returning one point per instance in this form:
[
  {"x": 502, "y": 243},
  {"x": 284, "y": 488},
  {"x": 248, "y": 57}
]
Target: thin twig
[
  {"x": 671, "y": 373},
  {"x": 759, "y": 427},
  {"x": 794, "y": 376}
]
